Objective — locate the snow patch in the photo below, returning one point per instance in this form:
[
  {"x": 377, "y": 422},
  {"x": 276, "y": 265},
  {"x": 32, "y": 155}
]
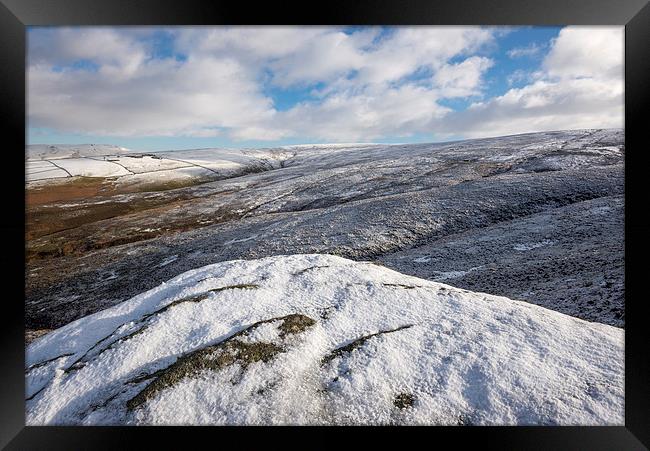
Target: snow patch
[
  {"x": 168, "y": 260},
  {"x": 241, "y": 240},
  {"x": 531, "y": 246}
]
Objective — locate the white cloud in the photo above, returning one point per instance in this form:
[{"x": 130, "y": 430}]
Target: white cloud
[
  {"x": 527, "y": 51},
  {"x": 407, "y": 49},
  {"x": 595, "y": 52},
  {"x": 521, "y": 76},
  {"x": 580, "y": 86},
  {"x": 116, "y": 53},
  {"x": 366, "y": 85},
  {"x": 220, "y": 87},
  {"x": 462, "y": 79},
  {"x": 542, "y": 105},
  {"x": 163, "y": 98},
  {"x": 397, "y": 111}
]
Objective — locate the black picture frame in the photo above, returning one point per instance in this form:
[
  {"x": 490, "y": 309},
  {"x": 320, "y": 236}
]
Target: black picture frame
[{"x": 16, "y": 15}]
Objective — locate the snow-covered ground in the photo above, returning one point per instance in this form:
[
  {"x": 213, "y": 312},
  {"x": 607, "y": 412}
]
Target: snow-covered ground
[
  {"x": 43, "y": 170},
  {"x": 45, "y": 162},
  {"x": 536, "y": 217},
  {"x": 87, "y": 167},
  {"x": 318, "y": 339}
]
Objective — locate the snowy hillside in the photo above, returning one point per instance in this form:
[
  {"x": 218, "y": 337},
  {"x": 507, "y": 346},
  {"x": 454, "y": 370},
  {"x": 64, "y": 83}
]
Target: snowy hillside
[
  {"x": 536, "y": 217},
  {"x": 57, "y": 151},
  {"x": 45, "y": 163},
  {"x": 318, "y": 339}
]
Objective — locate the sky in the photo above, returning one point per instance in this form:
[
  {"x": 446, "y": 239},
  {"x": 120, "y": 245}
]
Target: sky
[{"x": 161, "y": 88}]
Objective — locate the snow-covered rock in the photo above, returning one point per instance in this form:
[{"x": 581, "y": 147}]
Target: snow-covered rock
[{"x": 318, "y": 339}]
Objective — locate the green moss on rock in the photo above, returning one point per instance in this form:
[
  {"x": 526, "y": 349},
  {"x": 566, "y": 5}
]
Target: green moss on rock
[{"x": 232, "y": 350}]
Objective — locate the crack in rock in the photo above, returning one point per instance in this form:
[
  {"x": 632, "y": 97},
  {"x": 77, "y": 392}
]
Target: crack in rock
[{"x": 357, "y": 343}]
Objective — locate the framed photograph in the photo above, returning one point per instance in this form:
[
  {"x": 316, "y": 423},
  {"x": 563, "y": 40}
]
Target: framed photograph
[{"x": 377, "y": 215}]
